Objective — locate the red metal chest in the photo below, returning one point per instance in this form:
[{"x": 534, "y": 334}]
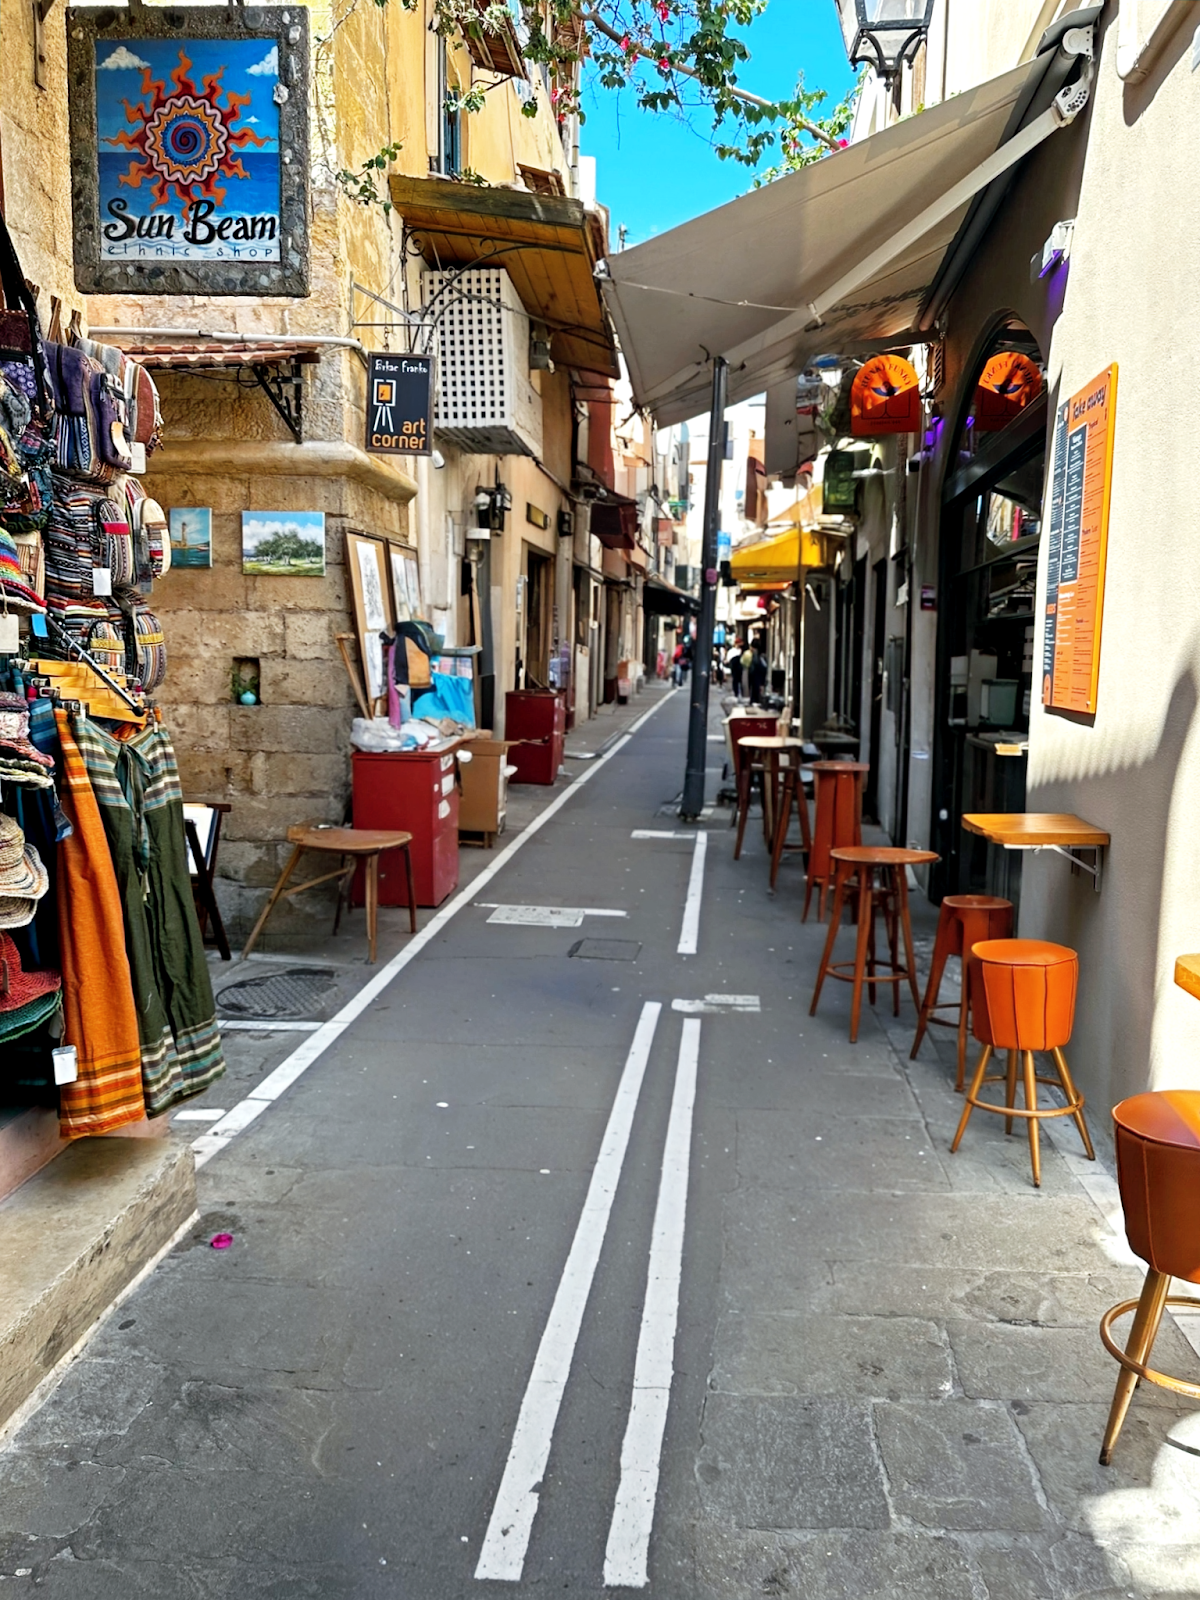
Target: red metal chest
[
  {"x": 531, "y": 714},
  {"x": 416, "y": 791}
]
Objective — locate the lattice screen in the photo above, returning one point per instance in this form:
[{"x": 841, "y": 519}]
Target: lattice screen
[{"x": 485, "y": 403}]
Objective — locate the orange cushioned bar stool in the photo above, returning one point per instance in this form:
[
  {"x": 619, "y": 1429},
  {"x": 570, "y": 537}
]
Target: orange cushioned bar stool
[
  {"x": 964, "y": 920},
  {"x": 837, "y": 824},
  {"x": 1024, "y": 1000},
  {"x": 1158, "y": 1169},
  {"x": 876, "y": 874}
]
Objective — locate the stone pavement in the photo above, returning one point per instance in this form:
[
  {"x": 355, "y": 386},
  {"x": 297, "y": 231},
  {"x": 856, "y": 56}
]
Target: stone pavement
[{"x": 908, "y": 1391}]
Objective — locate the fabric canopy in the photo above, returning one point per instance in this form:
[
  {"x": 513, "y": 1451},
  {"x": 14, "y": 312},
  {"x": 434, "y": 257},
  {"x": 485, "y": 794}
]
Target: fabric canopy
[
  {"x": 839, "y": 257},
  {"x": 663, "y": 599},
  {"x": 781, "y": 558}
]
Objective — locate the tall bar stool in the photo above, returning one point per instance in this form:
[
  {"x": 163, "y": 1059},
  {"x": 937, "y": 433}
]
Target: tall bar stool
[
  {"x": 838, "y": 822},
  {"x": 792, "y": 797},
  {"x": 747, "y": 768},
  {"x": 887, "y": 895},
  {"x": 1158, "y": 1170},
  {"x": 766, "y": 754},
  {"x": 1025, "y": 1001},
  {"x": 963, "y": 921}
]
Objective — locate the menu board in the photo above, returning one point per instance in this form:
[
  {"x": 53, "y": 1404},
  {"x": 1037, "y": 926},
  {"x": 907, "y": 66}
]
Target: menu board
[{"x": 1080, "y": 491}]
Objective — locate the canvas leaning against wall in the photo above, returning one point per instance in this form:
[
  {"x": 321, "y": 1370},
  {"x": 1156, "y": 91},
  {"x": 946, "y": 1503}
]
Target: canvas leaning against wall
[{"x": 283, "y": 544}]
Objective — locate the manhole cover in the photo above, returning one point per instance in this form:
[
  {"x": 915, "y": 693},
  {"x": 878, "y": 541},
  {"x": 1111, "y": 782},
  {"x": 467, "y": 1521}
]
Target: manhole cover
[
  {"x": 290, "y": 992},
  {"x": 606, "y": 949}
]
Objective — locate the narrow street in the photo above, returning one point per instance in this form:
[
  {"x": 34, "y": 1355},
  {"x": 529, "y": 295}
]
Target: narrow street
[{"x": 430, "y": 1361}]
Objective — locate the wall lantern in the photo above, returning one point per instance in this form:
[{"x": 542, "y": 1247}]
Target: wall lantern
[
  {"x": 884, "y": 34},
  {"x": 490, "y": 504}
]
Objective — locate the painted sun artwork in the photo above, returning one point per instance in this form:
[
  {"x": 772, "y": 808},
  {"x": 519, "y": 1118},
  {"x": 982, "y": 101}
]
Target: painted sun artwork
[{"x": 189, "y": 164}]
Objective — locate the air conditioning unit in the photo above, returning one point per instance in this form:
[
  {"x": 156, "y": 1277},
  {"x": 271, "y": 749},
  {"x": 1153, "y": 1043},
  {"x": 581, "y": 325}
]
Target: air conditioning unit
[{"x": 486, "y": 404}]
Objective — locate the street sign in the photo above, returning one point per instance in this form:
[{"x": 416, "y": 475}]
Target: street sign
[{"x": 399, "y": 404}]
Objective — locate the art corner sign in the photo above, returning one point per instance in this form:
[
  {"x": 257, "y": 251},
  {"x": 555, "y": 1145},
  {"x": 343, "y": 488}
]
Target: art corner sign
[
  {"x": 400, "y": 392},
  {"x": 189, "y": 149}
]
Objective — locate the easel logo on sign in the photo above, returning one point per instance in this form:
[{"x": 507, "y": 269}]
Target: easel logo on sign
[{"x": 399, "y": 405}]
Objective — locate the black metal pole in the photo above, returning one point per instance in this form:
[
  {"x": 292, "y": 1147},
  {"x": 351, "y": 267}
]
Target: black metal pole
[{"x": 697, "y": 751}]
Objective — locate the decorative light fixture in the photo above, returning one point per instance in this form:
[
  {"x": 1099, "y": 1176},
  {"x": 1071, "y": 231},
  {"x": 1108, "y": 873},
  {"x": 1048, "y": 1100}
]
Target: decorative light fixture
[
  {"x": 884, "y": 34},
  {"x": 490, "y": 504}
]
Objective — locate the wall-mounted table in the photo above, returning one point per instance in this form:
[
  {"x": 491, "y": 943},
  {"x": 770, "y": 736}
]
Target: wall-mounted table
[{"x": 1042, "y": 830}]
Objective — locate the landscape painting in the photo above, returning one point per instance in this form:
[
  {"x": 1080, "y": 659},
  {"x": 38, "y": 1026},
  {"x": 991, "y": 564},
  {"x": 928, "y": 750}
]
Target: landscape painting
[{"x": 283, "y": 544}]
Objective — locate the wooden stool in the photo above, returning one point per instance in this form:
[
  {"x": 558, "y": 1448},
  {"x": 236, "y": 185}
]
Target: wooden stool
[
  {"x": 1158, "y": 1169},
  {"x": 838, "y": 821},
  {"x": 353, "y": 845},
  {"x": 964, "y": 920},
  {"x": 764, "y": 754},
  {"x": 891, "y": 897},
  {"x": 748, "y": 765},
  {"x": 1024, "y": 997},
  {"x": 791, "y": 796}
]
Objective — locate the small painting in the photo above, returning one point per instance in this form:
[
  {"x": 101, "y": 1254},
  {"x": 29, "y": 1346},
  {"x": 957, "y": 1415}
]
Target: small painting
[
  {"x": 191, "y": 536},
  {"x": 283, "y": 544},
  {"x": 406, "y": 582}
]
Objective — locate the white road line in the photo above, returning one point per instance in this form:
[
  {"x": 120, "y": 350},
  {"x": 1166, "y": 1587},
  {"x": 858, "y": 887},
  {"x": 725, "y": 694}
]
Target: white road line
[
  {"x": 508, "y": 1531},
  {"x": 249, "y": 1025},
  {"x": 689, "y": 934},
  {"x": 626, "y": 1556},
  {"x": 713, "y": 1003},
  {"x": 315, "y": 1046},
  {"x": 198, "y": 1116}
]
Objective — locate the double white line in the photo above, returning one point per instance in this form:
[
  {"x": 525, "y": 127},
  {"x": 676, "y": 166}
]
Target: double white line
[{"x": 507, "y": 1539}]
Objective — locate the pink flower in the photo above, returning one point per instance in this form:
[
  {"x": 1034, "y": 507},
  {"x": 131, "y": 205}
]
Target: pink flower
[
  {"x": 843, "y": 144},
  {"x": 665, "y": 64},
  {"x": 221, "y": 1241}
]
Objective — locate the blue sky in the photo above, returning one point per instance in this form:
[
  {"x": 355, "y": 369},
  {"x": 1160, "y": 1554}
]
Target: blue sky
[{"x": 654, "y": 172}]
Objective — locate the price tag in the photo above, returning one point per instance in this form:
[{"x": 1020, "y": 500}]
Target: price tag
[
  {"x": 137, "y": 455},
  {"x": 101, "y": 580},
  {"x": 9, "y": 634},
  {"x": 66, "y": 1064}
]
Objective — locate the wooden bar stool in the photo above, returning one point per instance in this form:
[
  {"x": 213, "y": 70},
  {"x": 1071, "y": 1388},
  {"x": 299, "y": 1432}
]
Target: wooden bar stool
[
  {"x": 792, "y": 797},
  {"x": 352, "y": 845},
  {"x": 838, "y": 821},
  {"x": 764, "y": 754},
  {"x": 963, "y": 921},
  {"x": 1024, "y": 1000},
  {"x": 1158, "y": 1170},
  {"x": 890, "y": 897}
]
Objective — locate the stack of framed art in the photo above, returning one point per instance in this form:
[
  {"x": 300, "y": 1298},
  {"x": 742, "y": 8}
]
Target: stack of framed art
[{"x": 385, "y": 582}]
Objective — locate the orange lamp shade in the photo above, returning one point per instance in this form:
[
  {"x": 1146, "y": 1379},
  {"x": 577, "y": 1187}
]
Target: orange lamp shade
[
  {"x": 885, "y": 398},
  {"x": 1007, "y": 384}
]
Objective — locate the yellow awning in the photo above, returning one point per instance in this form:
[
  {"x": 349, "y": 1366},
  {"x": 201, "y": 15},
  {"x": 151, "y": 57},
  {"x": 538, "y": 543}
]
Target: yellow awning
[{"x": 781, "y": 557}]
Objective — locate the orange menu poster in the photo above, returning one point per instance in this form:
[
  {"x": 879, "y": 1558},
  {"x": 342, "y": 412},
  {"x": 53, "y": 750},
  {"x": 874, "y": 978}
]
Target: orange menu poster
[{"x": 1080, "y": 490}]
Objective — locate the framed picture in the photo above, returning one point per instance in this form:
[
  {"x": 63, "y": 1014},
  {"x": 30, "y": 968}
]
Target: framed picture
[
  {"x": 191, "y": 536},
  {"x": 366, "y": 558},
  {"x": 406, "y": 581},
  {"x": 283, "y": 544}
]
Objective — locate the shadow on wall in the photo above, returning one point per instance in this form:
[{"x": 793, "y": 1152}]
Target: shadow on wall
[{"x": 1129, "y": 936}]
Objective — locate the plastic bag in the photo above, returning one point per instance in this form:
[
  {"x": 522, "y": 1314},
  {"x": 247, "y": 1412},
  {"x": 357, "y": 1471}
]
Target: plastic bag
[{"x": 450, "y": 697}]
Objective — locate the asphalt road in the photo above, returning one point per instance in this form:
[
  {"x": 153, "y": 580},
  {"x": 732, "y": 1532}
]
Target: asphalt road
[{"x": 426, "y": 1281}]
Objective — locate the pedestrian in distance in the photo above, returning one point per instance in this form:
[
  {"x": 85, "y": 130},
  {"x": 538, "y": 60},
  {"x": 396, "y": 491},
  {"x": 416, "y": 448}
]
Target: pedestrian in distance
[
  {"x": 734, "y": 662},
  {"x": 756, "y": 672}
]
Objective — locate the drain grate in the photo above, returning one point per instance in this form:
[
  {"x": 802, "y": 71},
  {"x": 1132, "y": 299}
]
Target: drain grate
[
  {"x": 606, "y": 949},
  {"x": 290, "y": 992}
]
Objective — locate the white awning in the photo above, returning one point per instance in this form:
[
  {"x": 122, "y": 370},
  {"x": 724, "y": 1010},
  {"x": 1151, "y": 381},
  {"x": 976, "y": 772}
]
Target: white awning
[{"x": 838, "y": 257}]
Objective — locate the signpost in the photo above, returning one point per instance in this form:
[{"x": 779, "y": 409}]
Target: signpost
[
  {"x": 399, "y": 404},
  {"x": 1080, "y": 492},
  {"x": 697, "y": 752}
]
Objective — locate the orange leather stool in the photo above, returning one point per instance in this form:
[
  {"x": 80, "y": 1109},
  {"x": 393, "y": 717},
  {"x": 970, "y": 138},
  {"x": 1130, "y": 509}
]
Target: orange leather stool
[
  {"x": 1024, "y": 1000},
  {"x": 838, "y": 822},
  {"x": 1158, "y": 1169},
  {"x": 965, "y": 920}
]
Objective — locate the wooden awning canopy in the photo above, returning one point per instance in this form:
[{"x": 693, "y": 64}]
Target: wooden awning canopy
[{"x": 547, "y": 244}]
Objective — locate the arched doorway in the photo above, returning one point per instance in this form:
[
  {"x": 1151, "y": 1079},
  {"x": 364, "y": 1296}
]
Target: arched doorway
[{"x": 990, "y": 528}]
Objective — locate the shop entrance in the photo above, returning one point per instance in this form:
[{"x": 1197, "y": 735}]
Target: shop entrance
[{"x": 990, "y": 531}]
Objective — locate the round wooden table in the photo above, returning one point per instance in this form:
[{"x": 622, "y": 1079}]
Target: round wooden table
[{"x": 770, "y": 747}]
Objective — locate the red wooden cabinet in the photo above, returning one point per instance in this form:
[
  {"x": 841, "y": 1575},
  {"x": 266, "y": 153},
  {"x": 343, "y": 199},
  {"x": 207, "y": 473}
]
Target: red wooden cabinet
[
  {"x": 540, "y": 716},
  {"x": 414, "y": 790}
]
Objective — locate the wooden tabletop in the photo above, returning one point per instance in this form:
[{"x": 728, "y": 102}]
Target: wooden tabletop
[
  {"x": 348, "y": 841},
  {"x": 1025, "y": 830},
  {"x": 1187, "y": 974},
  {"x": 769, "y": 741},
  {"x": 841, "y": 766},
  {"x": 882, "y": 855}
]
